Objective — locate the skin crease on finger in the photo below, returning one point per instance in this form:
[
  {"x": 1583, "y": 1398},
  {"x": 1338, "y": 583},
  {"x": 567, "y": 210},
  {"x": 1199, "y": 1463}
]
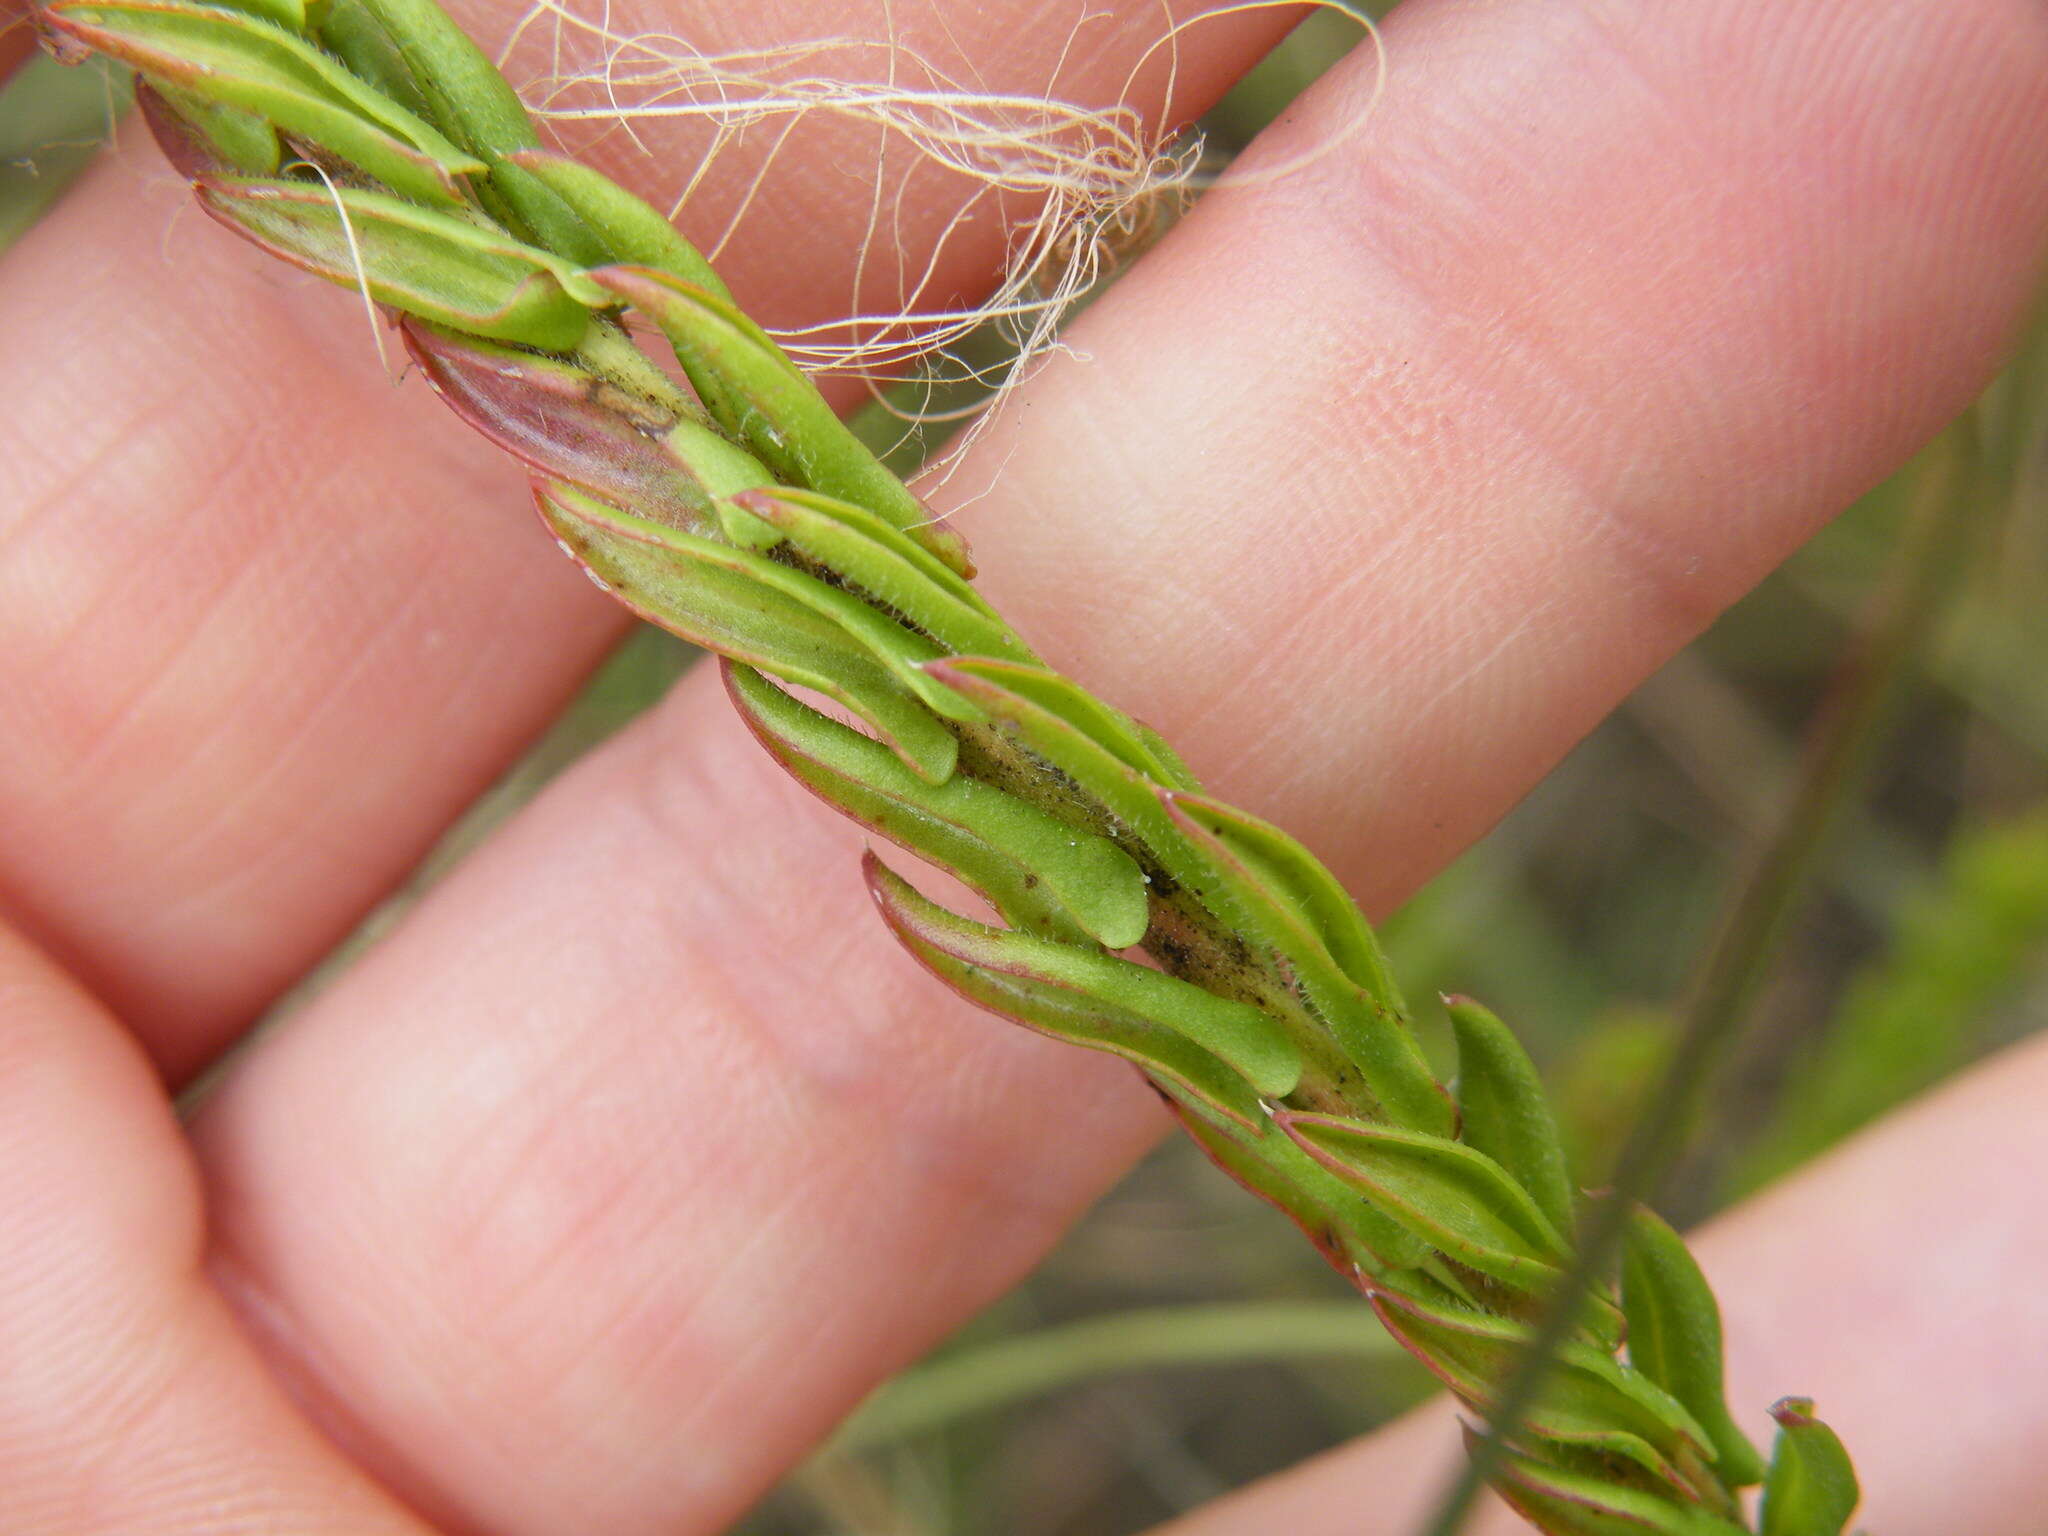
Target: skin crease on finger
[
  {"x": 610, "y": 1180},
  {"x": 250, "y": 671}
]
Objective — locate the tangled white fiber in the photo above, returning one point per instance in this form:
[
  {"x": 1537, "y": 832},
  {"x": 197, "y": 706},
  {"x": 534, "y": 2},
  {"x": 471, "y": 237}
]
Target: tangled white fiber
[{"x": 1084, "y": 187}]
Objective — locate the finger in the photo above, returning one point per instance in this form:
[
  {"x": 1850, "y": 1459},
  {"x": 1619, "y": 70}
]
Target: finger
[
  {"x": 1878, "y": 1282},
  {"x": 1496, "y": 410},
  {"x": 251, "y": 666},
  {"x": 131, "y": 1400},
  {"x": 16, "y": 42},
  {"x": 248, "y": 679},
  {"x": 667, "y": 1097}
]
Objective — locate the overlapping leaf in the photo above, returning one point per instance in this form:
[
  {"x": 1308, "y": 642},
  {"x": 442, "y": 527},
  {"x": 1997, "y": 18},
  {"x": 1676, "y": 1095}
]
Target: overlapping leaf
[
  {"x": 889, "y": 568},
  {"x": 1567, "y": 1503},
  {"x": 1298, "y": 911},
  {"x": 709, "y": 594},
  {"x": 434, "y": 265},
  {"x": 1674, "y": 1338},
  {"x": 633, "y": 232},
  {"x": 1456, "y": 1198},
  {"x": 1350, "y": 1233},
  {"x": 1011, "y": 851},
  {"x": 203, "y": 137},
  {"x": 765, "y": 402},
  {"x": 566, "y": 422},
  {"x": 429, "y": 59},
  {"x": 1505, "y": 1112},
  {"x": 1226, "y": 1055},
  {"x": 1589, "y": 1402},
  {"x": 1810, "y": 1489},
  {"x": 237, "y": 59}
]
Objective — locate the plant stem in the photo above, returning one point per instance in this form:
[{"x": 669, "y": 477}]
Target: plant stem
[
  {"x": 1850, "y": 721},
  {"x": 983, "y": 1378}
]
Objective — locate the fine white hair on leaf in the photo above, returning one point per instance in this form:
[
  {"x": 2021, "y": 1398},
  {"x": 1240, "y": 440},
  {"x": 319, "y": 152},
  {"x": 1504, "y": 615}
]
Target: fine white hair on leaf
[
  {"x": 1081, "y": 188},
  {"x": 355, "y": 256}
]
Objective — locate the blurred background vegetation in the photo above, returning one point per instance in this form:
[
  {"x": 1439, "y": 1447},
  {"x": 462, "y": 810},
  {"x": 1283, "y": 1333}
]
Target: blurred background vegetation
[{"x": 1863, "y": 741}]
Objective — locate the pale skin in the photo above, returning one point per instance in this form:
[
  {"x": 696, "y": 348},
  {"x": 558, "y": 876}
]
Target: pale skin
[{"x": 638, "y": 1153}]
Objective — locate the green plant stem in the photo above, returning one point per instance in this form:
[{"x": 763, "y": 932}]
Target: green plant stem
[
  {"x": 1919, "y": 1011},
  {"x": 983, "y": 1378},
  {"x": 1923, "y": 573}
]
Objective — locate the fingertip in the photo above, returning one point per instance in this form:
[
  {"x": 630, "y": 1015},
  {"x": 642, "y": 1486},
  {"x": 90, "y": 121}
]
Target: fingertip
[
  {"x": 129, "y": 1401},
  {"x": 99, "y": 1183}
]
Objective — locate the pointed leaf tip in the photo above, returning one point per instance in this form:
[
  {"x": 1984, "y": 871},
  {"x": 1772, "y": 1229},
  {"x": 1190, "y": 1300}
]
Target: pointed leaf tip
[
  {"x": 1674, "y": 1338},
  {"x": 1561, "y": 1502},
  {"x": 415, "y": 259},
  {"x": 1504, "y": 1111},
  {"x": 1226, "y": 1053},
  {"x": 1811, "y": 1487},
  {"x": 1029, "y": 864},
  {"x": 737, "y": 604},
  {"x": 632, "y": 230},
  {"x": 1453, "y": 1196}
]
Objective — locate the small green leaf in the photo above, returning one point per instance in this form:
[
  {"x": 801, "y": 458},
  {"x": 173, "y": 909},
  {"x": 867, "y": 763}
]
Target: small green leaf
[
  {"x": 425, "y": 263},
  {"x": 1224, "y": 1054},
  {"x": 691, "y": 587},
  {"x": 1589, "y": 1400},
  {"x": 1088, "y": 748},
  {"x": 1674, "y": 1338},
  {"x": 289, "y": 14},
  {"x": 1002, "y": 846},
  {"x": 1062, "y": 699},
  {"x": 203, "y": 138},
  {"x": 1560, "y": 1502},
  {"x": 1300, "y": 879},
  {"x": 521, "y": 201},
  {"x": 632, "y": 231},
  {"x": 802, "y": 746},
  {"x": 1291, "y": 905},
  {"x": 897, "y": 649},
  {"x": 1458, "y": 1199},
  {"x": 239, "y": 60},
  {"x": 723, "y": 468},
  {"x": 879, "y": 560},
  {"x": 1506, "y": 1113},
  {"x": 762, "y": 399},
  {"x": 1345, "y": 1228},
  {"x": 348, "y": 30},
  {"x": 1811, "y": 1488},
  {"x": 472, "y": 103}
]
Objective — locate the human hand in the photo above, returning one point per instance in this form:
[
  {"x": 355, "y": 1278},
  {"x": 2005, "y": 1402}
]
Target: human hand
[{"x": 637, "y": 1154}]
